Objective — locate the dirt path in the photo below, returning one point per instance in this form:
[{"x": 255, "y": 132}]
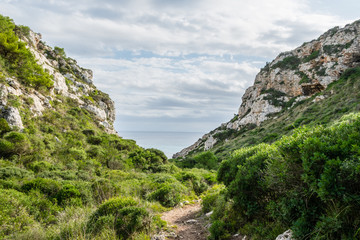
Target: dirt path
[{"x": 188, "y": 222}]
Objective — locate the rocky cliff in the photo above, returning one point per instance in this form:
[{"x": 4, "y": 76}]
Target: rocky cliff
[
  {"x": 291, "y": 77},
  {"x": 70, "y": 81}
]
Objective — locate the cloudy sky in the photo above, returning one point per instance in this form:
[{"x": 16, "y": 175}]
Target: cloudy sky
[{"x": 177, "y": 65}]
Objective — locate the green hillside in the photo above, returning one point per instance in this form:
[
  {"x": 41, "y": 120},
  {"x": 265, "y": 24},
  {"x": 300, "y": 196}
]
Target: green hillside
[{"x": 307, "y": 182}]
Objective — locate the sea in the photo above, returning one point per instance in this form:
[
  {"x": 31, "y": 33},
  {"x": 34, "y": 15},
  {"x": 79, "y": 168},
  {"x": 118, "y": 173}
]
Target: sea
[{"x": 168, "y": 142}]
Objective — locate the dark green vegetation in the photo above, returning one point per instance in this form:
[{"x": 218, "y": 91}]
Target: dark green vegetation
[
  {"x": 205, "y": 160},
  {"x": 64, "y": 177},
  {"x": 16, "y": 59},
  {"x": 290, "y": 62},
  {"x": 308, "y": 181}
]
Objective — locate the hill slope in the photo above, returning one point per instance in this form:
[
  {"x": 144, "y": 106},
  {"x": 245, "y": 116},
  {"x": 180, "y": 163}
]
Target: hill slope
[{"x": 292, "y": 89}]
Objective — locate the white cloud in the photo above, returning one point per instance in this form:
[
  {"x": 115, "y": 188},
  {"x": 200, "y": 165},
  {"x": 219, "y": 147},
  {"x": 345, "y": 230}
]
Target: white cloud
[{"x": 175, "y": 60}]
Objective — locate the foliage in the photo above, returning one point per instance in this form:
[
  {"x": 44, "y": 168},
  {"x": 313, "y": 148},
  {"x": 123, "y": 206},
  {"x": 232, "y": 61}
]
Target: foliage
[
  {"x": 204, "y": 160},
  {"x": 18, "y": 60},
  {"x": 312, "y": 56},
  {"x": 290, "y": 62},
  {"x": 274, "y": 97},
  {"x": 210, "y": 197},
  {"x": 307, "y": 181},
  {"x": 119, "y": 213},
  {"x": 336, "y": 48},
  {"x": 4, "y": 126},
  {"x": 48, "y": 187},
  {"x": 14, "y": 215},
  {"x": 304, "y": 77}
]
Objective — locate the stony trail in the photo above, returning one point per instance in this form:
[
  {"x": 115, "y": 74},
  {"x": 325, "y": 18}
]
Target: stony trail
[{"x": 188, "y": 221}]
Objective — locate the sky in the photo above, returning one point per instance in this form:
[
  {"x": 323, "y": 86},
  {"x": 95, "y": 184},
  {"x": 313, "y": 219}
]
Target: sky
[{"x": 177, "y": 65}]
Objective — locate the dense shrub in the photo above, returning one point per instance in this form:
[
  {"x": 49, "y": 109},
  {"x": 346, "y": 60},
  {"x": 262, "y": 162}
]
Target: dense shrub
[
  {"x": 69, "y": 195},
  {"x": 4, "y": 126},
  {"x": 102, "y": 189},
  {"x": 168, "y": 195},
  {"x": 6, "y": 147},
  {"x": 290, "y": 62},
  {"x": 205, "y": 160},
  {"x": 308, "y": 181},
  {"x": 210, "y": 197},
  {"x": 194, "y": 179},
  {"x": 130, "y": 220},
  {"x": 40, "y": 166},
  {"x": 18, "y": 59},
  {"x": 47, "y": 186},
  {"x": 14, "y": 172},
  {"x": 121, "y": 214},
  {"x": 147, "y": 159},
  {"x": 14, "y": 217},
  {"x": 19, "y": 141}
]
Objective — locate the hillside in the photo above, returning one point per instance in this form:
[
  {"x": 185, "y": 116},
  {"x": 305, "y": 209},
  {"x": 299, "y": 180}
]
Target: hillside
[
  {"x": 307, "y": 182},
  {"x": 64, "y": 171},
  {"x": 296, "y": 88}
]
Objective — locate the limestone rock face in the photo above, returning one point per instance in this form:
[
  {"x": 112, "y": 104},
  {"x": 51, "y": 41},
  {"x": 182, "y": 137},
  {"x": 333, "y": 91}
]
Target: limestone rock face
[
  {"x": 293, "y": 76},
  {"x": 70, "y": 81},
  {"x": 12, "y": 116},
  {"x": 287, "y": 235},
  {"x": 303, "y": 71}
]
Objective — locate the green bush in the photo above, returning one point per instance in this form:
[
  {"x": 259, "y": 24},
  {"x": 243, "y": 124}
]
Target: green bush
[
  {"x": 131, "y": 220},
  {"x": 194, "y": 180},
  {"x": 308, "y": 182},
  {"x": 168, "y": 195},
  {"x": 40, "y": 166},
  {"x": 95, "y": 140},
  {"x": 20, "y": 142},
  {"x": 206, "y": 160},
  {"x": 312, "y": 56},
  {"x": 14, "y": 172},
  {"x": 18, "y": 59},
  {"x": 14, "y": 215},
  {"x": 121, "y": 214},
  {"x": 6, "y": 148},
  {"x": 102, "y": 190},
  {"x": 69, "y": 195},
  {"x": 218, "y": 231},
  {"x": 48, "y": 187},
  {"x": 210, "y": 197},
  {"x": 43, "y": 209},
  {"x": 77, "y": 153},
  {"x": 4, "y": 126},
  {"x": 291, "y": 62}
]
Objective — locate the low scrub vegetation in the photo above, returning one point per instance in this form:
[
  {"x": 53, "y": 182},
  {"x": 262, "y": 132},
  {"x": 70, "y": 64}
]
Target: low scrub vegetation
[
  {"x": 307, "y": 182},
  {"x": 18, "y": 60}
]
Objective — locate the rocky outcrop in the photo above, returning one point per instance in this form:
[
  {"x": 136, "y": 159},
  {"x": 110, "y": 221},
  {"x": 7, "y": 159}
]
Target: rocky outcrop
[
  {"x": 303, "y": 71},
  {"x": 287, "y": 235},
  {"x": 70, "y": 81},
  {"x": 296, "y": 75},
  {"x": 12, "y": 116}
]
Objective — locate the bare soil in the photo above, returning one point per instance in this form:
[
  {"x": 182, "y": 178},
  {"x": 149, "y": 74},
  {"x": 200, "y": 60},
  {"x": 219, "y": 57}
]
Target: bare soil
[{"x": 187, "y": 222}]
